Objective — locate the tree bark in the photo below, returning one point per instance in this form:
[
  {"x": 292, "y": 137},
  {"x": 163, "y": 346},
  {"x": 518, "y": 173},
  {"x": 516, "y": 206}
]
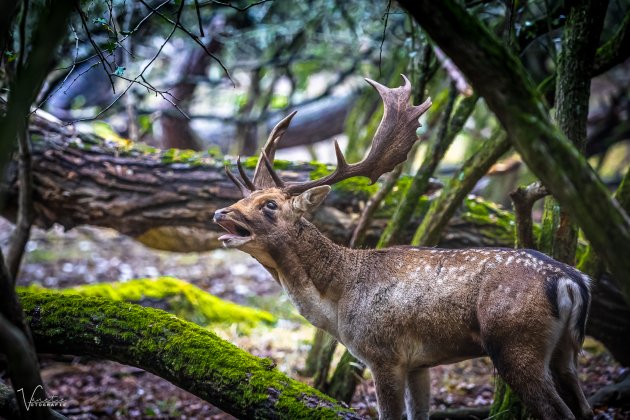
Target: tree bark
[
  {"x": 573, "y": 83},
  {"x": 500, "y": 78},
  {"x": 167, "y": 200},
  {"x": 181, "y": 352}
]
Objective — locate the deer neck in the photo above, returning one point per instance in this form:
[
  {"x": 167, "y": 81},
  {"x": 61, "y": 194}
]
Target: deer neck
[{"x": 314, "y": 272}]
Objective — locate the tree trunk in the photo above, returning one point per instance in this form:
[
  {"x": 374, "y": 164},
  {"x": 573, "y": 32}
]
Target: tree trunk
[
  {"x": 167, "y": 199},
  {"x": 181, "y": 352}
]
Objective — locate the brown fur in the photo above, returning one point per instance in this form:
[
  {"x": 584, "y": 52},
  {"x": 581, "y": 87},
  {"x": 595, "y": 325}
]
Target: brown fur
[{"x": 403, "y": 310}]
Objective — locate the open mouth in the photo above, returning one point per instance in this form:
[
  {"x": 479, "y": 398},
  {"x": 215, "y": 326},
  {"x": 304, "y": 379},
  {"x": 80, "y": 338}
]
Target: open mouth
[{"x": 234, "y": 230}]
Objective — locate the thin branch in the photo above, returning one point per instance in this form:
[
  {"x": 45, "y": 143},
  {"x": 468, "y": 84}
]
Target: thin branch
[
  {"x": 141, "y": 75},
  {"x": 24, "y": 222},
  {"x": 96, "y": 47},
  {"x": 523, "y": 199},
  {"x": 453, "y": 72},
  {"x": 194, "y": 37},
  {"x": 380, "y": 51},
  {"x": 74, "y": 64},
  {"x": 366, "y": 216},
  {"x": 201, "y": 34}
]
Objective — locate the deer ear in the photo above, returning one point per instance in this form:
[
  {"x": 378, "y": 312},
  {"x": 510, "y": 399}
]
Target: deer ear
[{"x": 309, "y": 200}]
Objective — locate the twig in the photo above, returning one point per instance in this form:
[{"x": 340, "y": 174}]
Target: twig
[
  {"x": 454, "y": 73},
  {"x": 523, "y": 199},
  {"x": 96, "y": 47},
  {"x": 193, "y": 37},
  {"x": 74, "y": 64},
  {"x": 366, "y": 216},
  {"x": 380, "y": 52},
  {"x": 141, "y": 75},
  {"x": 199, "y": 18}
]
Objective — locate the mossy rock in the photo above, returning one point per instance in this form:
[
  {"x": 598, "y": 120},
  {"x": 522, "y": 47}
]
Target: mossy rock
[{"x": 178, "y": 297}]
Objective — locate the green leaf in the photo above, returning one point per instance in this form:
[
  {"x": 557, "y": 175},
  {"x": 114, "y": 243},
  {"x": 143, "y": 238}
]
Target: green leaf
[
  {"x": 110, "y": 46},
  {"x": 120, "y": 71},
  {"x": 99, "y": 21}
]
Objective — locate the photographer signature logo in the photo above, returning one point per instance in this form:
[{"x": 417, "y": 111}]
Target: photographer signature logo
[{"x": 51, "y": 401}]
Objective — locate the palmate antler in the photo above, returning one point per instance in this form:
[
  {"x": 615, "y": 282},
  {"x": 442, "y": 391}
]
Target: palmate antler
[{"x": 392, "y": 141}]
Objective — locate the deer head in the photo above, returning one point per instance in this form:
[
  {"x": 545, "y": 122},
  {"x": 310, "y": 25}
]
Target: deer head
[{"x": 271, "y": 207}]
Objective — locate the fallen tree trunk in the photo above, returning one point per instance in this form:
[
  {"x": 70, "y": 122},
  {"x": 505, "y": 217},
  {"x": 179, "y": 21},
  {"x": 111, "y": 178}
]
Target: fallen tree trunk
[
  {"x": 181, "y": 352},
  {"x": 166, "y": 199}
]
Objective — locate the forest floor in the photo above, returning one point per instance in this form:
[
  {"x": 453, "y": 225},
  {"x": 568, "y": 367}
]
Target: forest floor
[{"x": 95, "y": 389}]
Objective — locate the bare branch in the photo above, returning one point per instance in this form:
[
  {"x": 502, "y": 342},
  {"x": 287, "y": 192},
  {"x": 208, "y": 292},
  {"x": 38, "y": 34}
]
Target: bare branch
[
  {"x": 366, "y": 216},
  {"x": 523, "y": 199},
  {"x": 100, "y": 54},
  {"x": 193, "y": 37},
  {"x": 201, "y": 34},
  {"x": 380, "y": 51},
  {"x": 22, "y": 229},
  {"x": 453, "y": 72},
  {"x": 141, "y": 74},
  {"x": 74, "y": 65}
]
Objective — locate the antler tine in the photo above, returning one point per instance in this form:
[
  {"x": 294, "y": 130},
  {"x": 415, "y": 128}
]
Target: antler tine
[
  {"x": 274, "y": 176},
  {"x": 392, "y": 141},
  {"x": 262, "y": 179},
  {"x": 250, "y": 185},
  {"x": 244, "y": 191}
]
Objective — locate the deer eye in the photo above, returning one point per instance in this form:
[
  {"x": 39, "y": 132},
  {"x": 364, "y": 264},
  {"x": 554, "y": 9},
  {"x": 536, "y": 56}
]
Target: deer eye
[{"x": 271, "y": 205}]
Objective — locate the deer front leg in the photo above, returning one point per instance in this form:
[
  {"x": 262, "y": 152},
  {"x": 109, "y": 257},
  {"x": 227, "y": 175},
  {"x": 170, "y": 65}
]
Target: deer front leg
[
  {"x": 390, "y": 391},
  {"x": 418, "y": 394}
]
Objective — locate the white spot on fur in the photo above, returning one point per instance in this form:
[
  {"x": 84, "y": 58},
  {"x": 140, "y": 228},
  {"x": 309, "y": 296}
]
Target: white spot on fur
[
  {"x": 509, "y": 260},
  {"x": 498, "y": 258}
]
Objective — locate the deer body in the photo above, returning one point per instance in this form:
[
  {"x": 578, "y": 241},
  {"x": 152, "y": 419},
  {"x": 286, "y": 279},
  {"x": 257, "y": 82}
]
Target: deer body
[{"x": 402, "y": 310}]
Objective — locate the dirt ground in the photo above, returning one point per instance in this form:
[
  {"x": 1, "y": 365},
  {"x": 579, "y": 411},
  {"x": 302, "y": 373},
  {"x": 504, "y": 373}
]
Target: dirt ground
[{"x": 96, "y": 389}]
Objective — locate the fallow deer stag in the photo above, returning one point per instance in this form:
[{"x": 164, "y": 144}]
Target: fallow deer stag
[{"x": 402, "y": 310}]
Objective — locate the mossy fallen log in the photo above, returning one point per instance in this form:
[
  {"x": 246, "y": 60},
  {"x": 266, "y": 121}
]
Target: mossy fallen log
[
  {"x": 176, "y": 296},
  {"x": 179, "y": 351}
]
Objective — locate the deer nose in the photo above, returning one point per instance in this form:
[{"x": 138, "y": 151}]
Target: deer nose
[{"x": 220, "y": 214}]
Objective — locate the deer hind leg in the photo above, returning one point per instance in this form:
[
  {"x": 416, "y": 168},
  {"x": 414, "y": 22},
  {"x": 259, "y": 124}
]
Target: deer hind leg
[
  {"x": 525, "y": 369},
  {"x": 417, "y": 394},
  {"x": 564, "y": 370},
  {"x": 390, "y": 390}
]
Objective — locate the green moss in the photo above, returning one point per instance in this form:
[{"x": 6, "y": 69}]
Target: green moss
[
  {"x": 482, "y": 212},
  {"x": 356, "y": 185},
  {"x": 179, "y": 351},
  {"x": 189, "y": 157},
  {"x": 183, "y": 299},
  {"x": 251, "y": 162}
]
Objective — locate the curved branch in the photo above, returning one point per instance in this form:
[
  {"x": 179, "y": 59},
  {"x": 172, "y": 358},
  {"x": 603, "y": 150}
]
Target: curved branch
[{"x": 181, "y": 352}]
